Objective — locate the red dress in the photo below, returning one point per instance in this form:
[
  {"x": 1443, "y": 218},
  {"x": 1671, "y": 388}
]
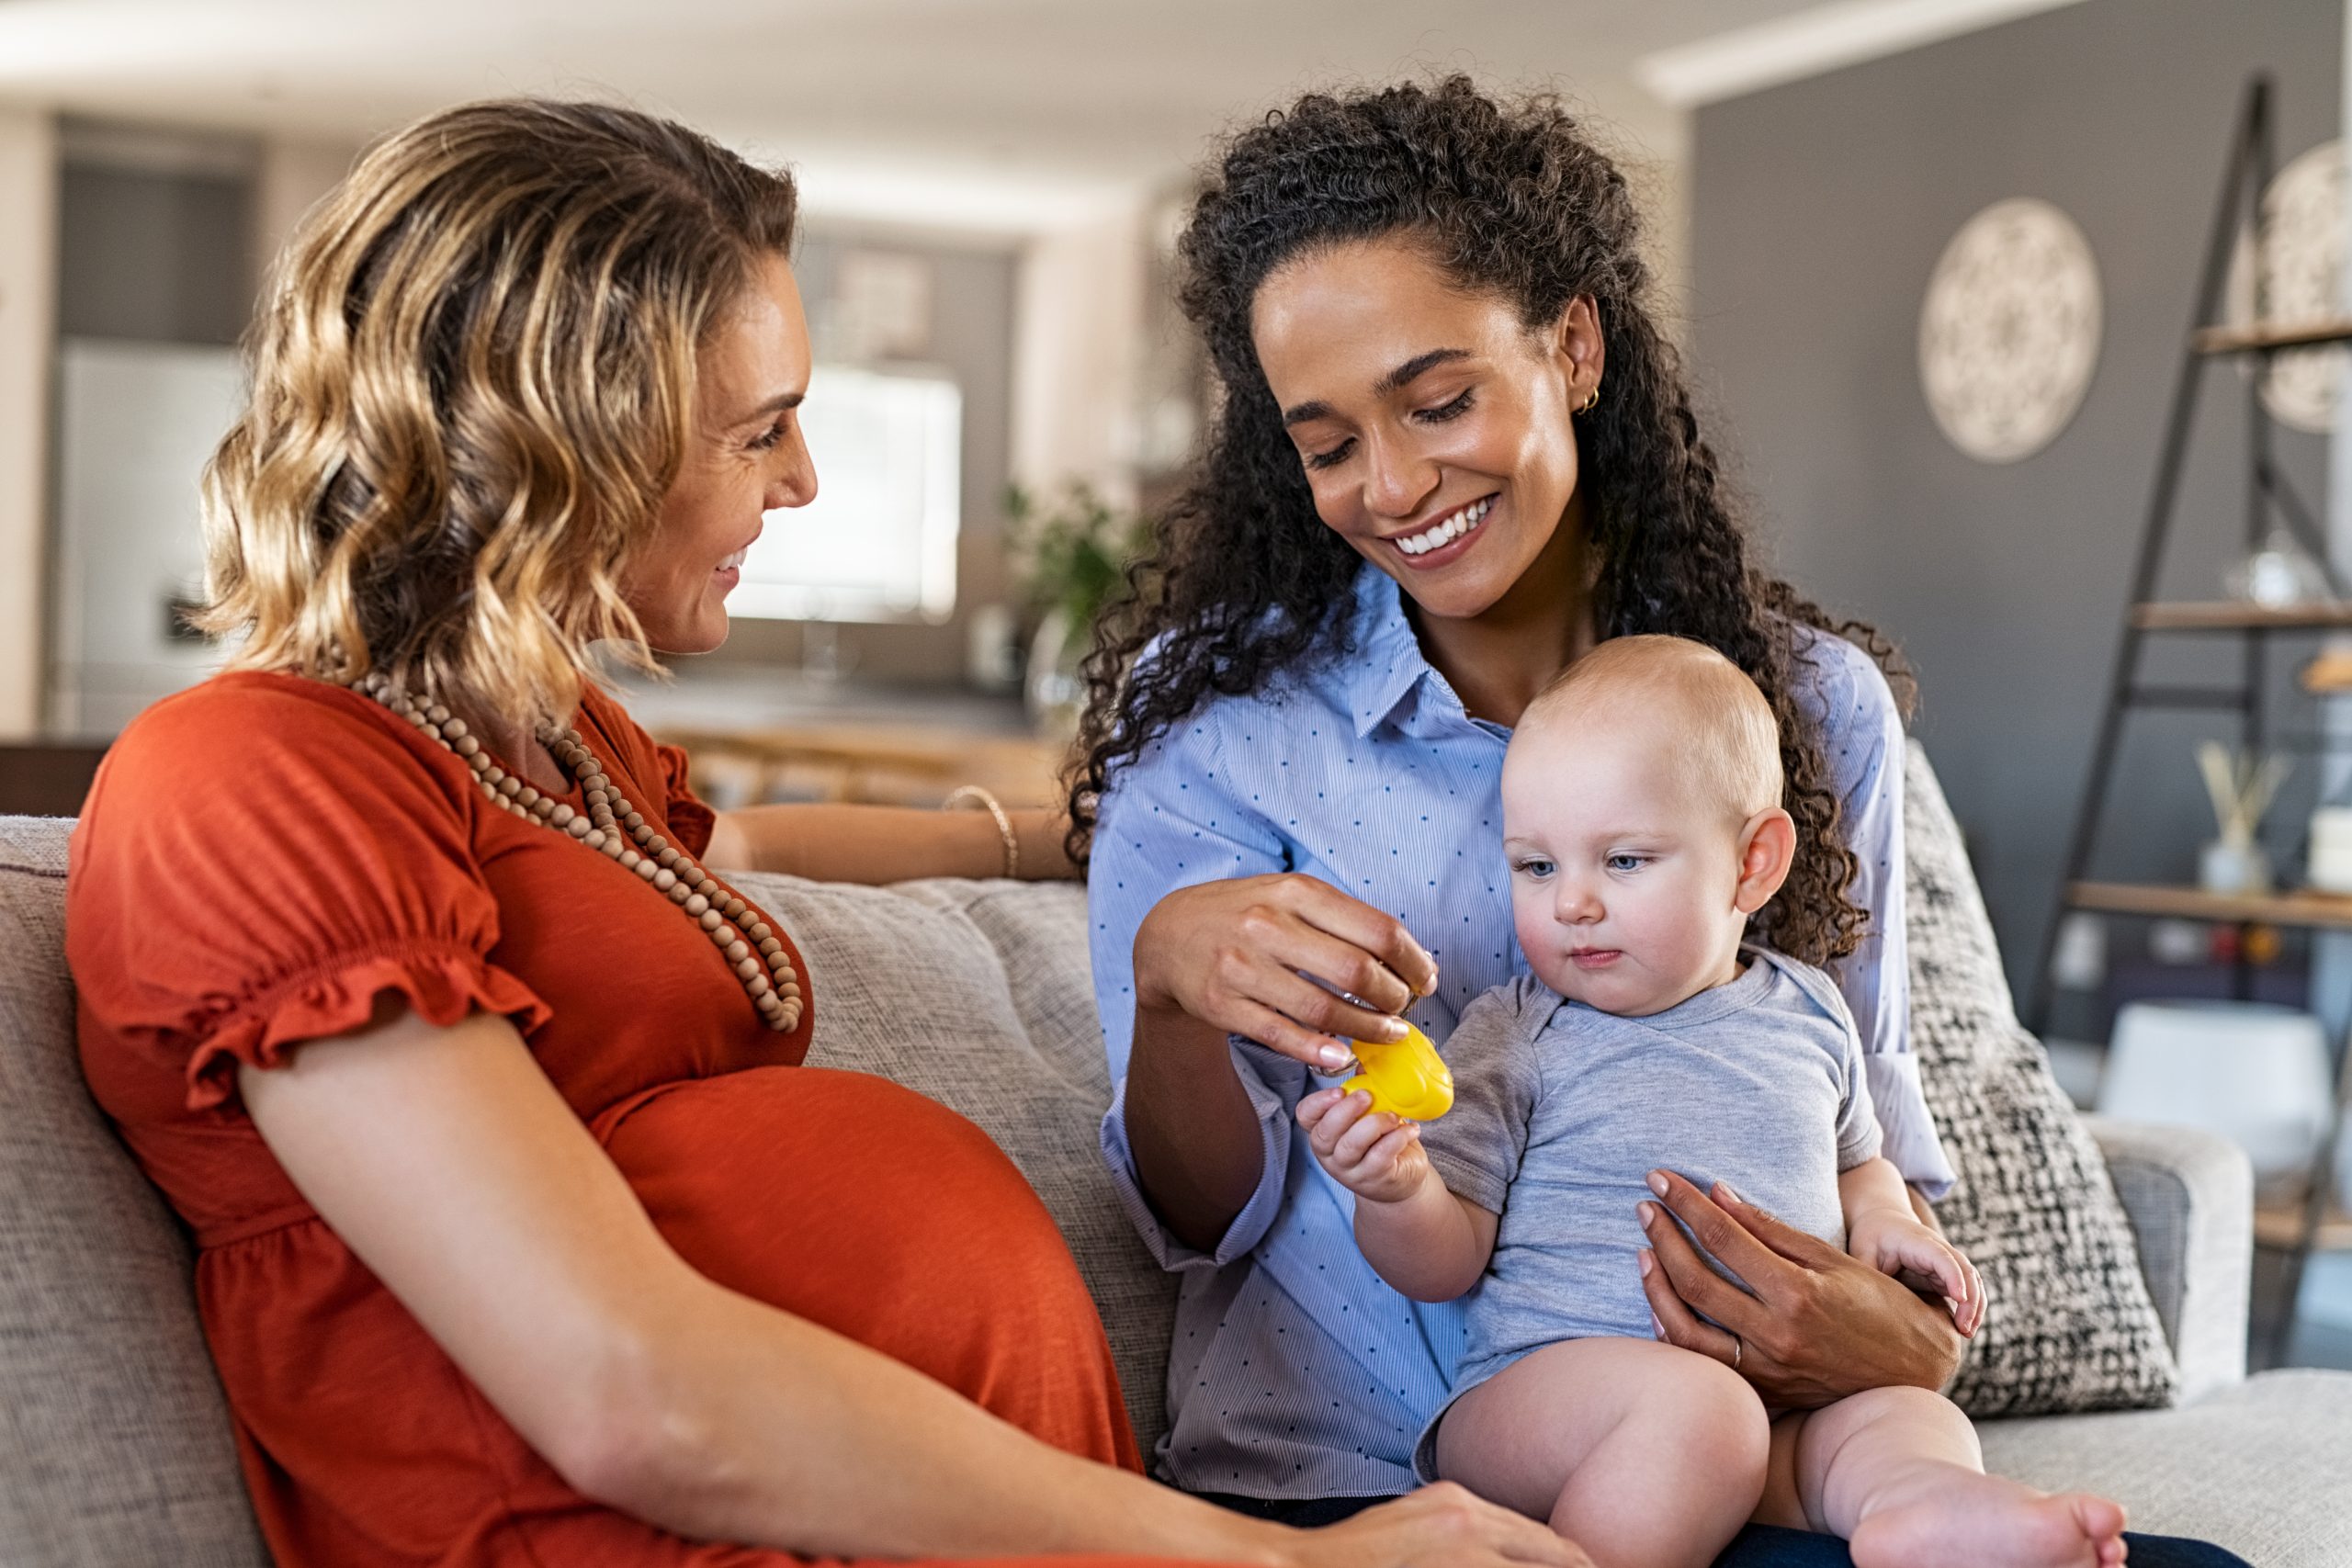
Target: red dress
[{"x": 260, "y": 859}]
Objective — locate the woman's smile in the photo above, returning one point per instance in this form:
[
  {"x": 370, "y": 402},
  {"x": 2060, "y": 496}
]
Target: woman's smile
[{"x": 1447, "y": 539}]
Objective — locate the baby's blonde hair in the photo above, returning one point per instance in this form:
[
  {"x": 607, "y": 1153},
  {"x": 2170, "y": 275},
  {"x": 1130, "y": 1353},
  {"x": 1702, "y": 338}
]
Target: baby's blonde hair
[
  {"x": 1689, "y": 697},
  {"x": 473, "y": 382}
]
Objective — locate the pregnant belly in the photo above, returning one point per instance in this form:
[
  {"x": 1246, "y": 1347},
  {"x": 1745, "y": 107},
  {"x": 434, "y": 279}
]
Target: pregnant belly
[{"x": 862, "y": 1206}]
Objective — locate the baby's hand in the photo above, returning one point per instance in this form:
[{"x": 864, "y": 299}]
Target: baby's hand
[
  {"x": 1897, "y": 1243},
  {"x": 1378, "y": 1156}
]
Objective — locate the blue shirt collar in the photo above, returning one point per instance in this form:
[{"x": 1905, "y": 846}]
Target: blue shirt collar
[{"x": 1384, "y": 659}]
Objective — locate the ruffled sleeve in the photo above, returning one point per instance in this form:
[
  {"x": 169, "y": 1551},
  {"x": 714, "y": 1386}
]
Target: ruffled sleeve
[
  {"x": 440, "y": 986},
  {"x": 264, "y": 862}
]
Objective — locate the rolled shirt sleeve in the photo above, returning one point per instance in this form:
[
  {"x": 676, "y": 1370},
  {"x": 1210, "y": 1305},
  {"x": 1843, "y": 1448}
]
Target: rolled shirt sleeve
[
  {"x": 1862, "y": 737},
  {"x": 1169, "y": 821}
]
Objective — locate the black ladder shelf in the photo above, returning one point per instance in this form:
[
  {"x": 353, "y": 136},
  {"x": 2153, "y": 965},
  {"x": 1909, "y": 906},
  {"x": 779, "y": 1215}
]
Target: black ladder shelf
[{"x": 2294, "y": 1233}]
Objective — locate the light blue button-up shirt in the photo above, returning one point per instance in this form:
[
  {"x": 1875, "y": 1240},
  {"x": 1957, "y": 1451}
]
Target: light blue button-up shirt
[{"x": 1296, "y": 1372}]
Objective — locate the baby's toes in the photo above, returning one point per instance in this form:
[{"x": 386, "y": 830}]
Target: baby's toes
[
  {"x": 2101, "y": 1523},
  {"x": 2101, "y": 1520}
]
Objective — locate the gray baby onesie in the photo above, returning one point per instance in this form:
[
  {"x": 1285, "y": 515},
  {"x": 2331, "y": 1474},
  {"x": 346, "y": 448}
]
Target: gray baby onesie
[{"x": 1561, "y": 1111}]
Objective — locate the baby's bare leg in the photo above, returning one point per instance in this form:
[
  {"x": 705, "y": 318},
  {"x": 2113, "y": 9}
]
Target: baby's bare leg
[
  {"x": 1897, "y": 1473},
  {"x": 1644, "y": 1455}
]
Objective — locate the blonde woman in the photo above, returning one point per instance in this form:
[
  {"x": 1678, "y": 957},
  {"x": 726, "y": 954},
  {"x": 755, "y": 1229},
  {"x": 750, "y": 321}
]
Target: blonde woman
[{"x": 412, "y": 973}]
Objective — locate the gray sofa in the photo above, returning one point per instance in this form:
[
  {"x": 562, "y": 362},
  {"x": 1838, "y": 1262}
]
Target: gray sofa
[{"x": 115, "y": 1446}]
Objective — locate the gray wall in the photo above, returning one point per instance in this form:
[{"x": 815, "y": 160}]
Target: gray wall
[
  {"x": 1820, "y": 208},
  {"x": 156, "y": 255}
]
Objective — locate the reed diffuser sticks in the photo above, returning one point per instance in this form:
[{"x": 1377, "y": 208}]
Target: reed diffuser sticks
[{"x": 2242, "y": 788}]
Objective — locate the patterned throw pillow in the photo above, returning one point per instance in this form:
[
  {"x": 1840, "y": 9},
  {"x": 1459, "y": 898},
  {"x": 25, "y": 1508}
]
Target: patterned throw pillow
[{"x": 2071, "y": 1325}]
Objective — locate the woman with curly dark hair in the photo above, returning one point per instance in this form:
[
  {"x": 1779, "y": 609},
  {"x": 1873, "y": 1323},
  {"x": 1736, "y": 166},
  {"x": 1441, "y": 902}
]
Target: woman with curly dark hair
[{"x": 1453, "y": 453}]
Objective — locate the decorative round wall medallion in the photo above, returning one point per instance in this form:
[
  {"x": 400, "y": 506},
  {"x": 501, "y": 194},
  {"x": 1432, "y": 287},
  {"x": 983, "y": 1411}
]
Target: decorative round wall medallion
[
  {"x": 2302, "y": 280},
  {"x": 2008, "y": 335}
]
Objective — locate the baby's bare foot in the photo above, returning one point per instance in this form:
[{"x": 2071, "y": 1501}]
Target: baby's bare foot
[{"x": 1976, "y": 1521}]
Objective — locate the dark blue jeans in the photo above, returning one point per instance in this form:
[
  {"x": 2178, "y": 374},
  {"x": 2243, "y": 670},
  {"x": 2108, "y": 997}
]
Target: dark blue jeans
[{"x": 1758, "y": 1546}]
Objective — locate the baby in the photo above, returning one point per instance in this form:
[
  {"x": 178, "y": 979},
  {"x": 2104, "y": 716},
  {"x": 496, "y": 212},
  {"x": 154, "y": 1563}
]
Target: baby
[{"x": 1642, "y": 818}]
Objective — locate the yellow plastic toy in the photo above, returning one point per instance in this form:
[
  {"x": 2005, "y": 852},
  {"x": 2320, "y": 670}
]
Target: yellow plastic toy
[{"x": 1406, "y": 1077}]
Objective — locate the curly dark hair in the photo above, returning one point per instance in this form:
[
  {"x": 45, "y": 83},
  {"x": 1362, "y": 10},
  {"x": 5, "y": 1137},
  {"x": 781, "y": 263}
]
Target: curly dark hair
[{"x": 1511, "y": 198}]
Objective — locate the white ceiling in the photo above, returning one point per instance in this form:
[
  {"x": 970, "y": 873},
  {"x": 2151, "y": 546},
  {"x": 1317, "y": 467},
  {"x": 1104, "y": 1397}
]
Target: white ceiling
[{"x": 1044, "y": 105}]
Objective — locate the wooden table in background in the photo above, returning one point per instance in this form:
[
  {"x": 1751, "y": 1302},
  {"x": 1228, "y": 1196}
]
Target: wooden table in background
[{"x": 865, "y": 763}]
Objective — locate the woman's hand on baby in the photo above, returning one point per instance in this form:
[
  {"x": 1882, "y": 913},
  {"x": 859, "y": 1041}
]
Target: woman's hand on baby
[
  {"x": 1371, "y": 1153},
  {"x": 1894, "y": 1242},
  {"x": 1816, "y": 1322},
  {"x": 1237, "y": 954},
  {"x": 1442, "y": 1526}
]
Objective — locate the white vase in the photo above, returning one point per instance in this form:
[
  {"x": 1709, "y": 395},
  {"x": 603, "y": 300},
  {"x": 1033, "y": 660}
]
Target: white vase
[
  {"x": 1052, "y": 689},
  {"x": 2229, "y": 866}
]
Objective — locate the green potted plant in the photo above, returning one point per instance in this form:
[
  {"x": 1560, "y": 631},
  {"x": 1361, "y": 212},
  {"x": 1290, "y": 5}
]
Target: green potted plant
[{"x": 1069, "y": 559}]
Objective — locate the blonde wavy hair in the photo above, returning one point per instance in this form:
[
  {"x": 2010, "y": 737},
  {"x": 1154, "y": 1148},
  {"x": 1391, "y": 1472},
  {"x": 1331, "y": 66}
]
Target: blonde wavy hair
[{"x": 472, "y": 383}]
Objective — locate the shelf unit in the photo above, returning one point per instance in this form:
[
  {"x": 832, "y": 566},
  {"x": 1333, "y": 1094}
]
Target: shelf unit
[
  {"x": 2313, "y": 911},
  {"x": 2230, "y": 616},
  {"x": 2298, "y": 1230},
  {"x": 2271, "y": 337}
]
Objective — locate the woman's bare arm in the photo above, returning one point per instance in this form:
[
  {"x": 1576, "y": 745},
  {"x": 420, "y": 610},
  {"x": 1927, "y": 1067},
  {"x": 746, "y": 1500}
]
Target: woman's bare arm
[
  {"x": 886, "y": 843},
  {"x": 1194, "y": 1133},
  {"x": 448, "y": 1163}
]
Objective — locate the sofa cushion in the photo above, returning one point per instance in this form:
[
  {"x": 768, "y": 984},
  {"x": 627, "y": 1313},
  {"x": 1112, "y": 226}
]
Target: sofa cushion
[
  {"x": 2071, "y": 1326},
  {"x": 975, "y": 994},
  {"x": 2258, "y": 1468},
  {"x": 114, "y": 1437}
]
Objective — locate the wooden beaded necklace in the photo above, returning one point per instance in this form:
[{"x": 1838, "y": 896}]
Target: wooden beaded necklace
[{"x": 621, "y": 832}]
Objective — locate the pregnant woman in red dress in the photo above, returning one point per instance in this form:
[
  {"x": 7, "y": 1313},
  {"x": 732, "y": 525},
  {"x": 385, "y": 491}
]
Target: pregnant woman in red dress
[{"x": 412, "y": 973}]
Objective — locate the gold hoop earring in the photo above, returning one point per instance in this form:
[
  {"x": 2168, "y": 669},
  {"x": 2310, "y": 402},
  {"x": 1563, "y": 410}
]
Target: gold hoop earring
[{"x": 1591, "y": 399}]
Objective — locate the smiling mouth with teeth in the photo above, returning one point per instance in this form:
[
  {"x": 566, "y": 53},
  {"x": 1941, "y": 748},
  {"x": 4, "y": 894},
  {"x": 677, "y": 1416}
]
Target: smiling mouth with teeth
[
  {"x": 735, "y": 562},
  {"x": 1446, "y": 529}
]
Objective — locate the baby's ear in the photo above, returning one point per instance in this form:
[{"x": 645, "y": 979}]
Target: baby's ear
[{"x": 1768, "y": 845}]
